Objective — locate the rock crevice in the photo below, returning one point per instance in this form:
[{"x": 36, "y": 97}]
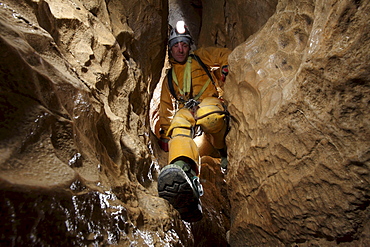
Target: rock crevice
[{"x": 79, "y": 162}]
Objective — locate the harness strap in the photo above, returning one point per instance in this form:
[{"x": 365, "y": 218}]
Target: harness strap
[
  {"x": 202, "y": 90},
  {"x": 212, "y": 112},
  {"x": 170, "y": 79},
  {"x": 203, "y": 66},
  {"x": 170, "y": 84},
  {"x": 186, "y": 85},
  {"x": 208, "y": 73}
]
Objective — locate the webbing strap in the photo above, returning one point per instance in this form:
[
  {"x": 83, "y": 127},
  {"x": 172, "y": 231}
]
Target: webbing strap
[
  {"x": 186, "y": 85},
  {"x": 170, "y": 77},
  {"x": 202, "y": 90},
  {"x": 203, "y": 66},
  {"x": 170, "y": 84}
]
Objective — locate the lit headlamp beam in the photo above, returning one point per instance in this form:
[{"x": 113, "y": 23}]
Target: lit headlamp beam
[{"x": 180, "y": 27}]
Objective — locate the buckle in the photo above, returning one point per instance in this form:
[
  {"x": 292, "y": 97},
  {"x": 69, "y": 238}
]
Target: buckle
[
  {"x": 198, "y": 185},
  {"x": 191, "y": 104}
]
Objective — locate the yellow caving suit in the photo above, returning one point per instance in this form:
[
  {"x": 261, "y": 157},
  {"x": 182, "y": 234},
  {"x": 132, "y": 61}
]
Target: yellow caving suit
[{"x": 179, "y": 129}]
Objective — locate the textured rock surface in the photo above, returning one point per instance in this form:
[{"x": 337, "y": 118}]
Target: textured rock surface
[
  {"x": 189, "y": 11},
  {"x": 222, "y": 23},
  {"x": 76, "y": 169},
  {"x": 228, "y": 23},
  {"x": 299, "y": 147},
  {"x": 77, "y": 163}
]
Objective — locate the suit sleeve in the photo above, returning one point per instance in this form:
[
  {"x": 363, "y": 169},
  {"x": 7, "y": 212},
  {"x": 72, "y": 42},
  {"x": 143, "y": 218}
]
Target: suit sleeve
[
  {"x": 214, "y": 57},
  {"x": 165, "y": 108}
]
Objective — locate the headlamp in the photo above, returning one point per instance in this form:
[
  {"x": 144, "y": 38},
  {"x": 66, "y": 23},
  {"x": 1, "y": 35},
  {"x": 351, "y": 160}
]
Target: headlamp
[
  {"x": 180, "y": 33},
  {"x": 180, "y": 27}
]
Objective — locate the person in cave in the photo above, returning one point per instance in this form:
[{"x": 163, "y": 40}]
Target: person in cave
[{"x": 193, "y": 84}]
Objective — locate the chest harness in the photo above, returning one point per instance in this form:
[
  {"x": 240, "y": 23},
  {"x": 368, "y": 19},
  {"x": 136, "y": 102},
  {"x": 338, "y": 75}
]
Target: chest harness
[
  {"x": 185, "y": 91},
  {"x": 192, "y": 103}
]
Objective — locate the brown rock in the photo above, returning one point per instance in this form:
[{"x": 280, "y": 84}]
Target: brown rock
[
  {"x": 73, "y": 137},
  {"x": 78, "y": 163},
  {"x": 299, "y": 147}
]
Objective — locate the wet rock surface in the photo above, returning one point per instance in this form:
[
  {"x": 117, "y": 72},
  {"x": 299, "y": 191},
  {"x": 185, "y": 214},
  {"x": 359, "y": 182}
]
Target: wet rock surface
[{"x": 76, "y": 168}]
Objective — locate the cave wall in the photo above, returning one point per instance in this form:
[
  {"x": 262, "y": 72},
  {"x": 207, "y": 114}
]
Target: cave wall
[
  {"x": 221, "y": 23},
  {"x": 299, "y": 148},
  {"x": 227, "y": 23},
  {"x": 191, "y": 12},
  {"x": 76, "y": 167},
  {"x": 78, "y": 163}
]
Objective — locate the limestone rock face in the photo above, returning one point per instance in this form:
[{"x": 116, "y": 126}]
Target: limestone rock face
[
  {"x": 189, "y": 11},
  {"x": 222, "y": 23},
  {"x": 75, "y": 167},
  {"x": 227, "y": 23},
  {"x": 299, "y": 144},
  {"x": 78, "y": 161}
]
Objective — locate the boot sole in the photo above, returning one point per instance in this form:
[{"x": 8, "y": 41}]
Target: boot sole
[{"x": 175, "y": 186}]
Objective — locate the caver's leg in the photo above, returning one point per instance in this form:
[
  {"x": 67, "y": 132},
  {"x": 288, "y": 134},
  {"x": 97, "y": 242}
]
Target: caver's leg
[
  {"x": 178, "y": 182},
  {"x": 212, "y": 118}
]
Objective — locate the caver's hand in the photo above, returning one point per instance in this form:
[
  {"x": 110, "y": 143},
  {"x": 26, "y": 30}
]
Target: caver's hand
[
  {"x": 163, "y": 143},
  {"x": 224, "y": 72},
  {"x": 163, "y": 140}
]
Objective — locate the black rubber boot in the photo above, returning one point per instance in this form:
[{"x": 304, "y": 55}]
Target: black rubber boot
[{"x": 182, "y": 190}]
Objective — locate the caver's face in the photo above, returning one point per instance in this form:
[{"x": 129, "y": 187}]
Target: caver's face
[{"x": 180, "y": 52}]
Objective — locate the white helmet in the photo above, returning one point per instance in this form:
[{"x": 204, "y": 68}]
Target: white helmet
[{"x": 180, "y": 34}]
